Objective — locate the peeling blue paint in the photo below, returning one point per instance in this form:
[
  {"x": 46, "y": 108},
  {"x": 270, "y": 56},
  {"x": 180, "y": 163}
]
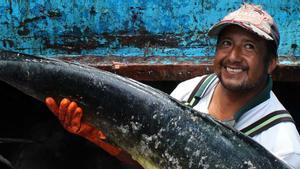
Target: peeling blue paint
[{"x": 129, "y": 27}]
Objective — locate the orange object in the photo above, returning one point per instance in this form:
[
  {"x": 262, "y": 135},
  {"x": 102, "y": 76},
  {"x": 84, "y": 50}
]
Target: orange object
[{"x": 70, "y": 115}]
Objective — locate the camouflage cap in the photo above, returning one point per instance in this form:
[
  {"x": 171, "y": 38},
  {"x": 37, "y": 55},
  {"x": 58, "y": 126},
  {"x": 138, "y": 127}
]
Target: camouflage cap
[{"x": 252, "y": 18}]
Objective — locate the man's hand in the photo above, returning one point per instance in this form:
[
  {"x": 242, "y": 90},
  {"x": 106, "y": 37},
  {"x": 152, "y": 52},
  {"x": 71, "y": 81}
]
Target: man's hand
[{"x": 70, "y": 115}]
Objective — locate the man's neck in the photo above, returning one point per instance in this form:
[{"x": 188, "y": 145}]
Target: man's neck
[{"x": 225, "y": 103}]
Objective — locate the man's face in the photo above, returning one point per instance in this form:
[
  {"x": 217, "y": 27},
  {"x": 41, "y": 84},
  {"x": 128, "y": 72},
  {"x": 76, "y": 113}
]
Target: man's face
[{"x": 239, "y": 60}]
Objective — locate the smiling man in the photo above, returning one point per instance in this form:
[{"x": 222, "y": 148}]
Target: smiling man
[{"x": 239, "y": 92}]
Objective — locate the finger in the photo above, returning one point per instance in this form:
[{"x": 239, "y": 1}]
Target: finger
[
  {"x": 69, "y": 113},
  {"x": 89, "y": 131},
  {"x": 63, "y": 109},
  {"x": 52, "y": 105},
  {"x": 76, "y": 119},
  {"x": 101, "y": 135}
]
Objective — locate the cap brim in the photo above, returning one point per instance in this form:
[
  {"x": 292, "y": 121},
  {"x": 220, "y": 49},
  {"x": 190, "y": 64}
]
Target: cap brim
[{"x": 215, "y": 30}]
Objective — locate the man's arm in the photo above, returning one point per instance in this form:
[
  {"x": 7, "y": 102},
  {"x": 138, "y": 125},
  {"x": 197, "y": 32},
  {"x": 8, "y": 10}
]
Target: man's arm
[{"x": 70, "y": 115}]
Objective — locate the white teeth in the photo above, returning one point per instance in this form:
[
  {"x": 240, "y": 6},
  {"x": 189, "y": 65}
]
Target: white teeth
[{"x": 233, "y": 70}]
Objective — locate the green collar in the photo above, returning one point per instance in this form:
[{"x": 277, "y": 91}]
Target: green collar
[{"x": 261, "y": 97}]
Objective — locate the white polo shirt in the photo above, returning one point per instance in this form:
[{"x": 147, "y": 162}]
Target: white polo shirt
[{"x": 282, "y": 140}]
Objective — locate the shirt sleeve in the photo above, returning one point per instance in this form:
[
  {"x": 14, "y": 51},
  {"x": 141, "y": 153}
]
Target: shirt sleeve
[{"x": 283, "y": 141}]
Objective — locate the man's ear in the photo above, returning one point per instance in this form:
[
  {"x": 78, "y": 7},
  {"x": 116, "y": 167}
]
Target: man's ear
[{"x": 272, "y": 65}]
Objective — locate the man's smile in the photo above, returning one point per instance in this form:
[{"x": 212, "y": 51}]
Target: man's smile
[{"x": 233, "y": 70}]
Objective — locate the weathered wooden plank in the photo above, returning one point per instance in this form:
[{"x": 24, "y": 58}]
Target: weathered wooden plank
[{"x": 154, "y": 69}]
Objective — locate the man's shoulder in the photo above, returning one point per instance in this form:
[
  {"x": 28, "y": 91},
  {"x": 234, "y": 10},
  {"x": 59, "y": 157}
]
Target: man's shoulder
[
  {"x": 185, "y": 88},
  {"x": 286, "y": 137},
  {"x": 272, "y": 104}
]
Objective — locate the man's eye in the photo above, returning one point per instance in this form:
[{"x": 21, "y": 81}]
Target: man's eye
[
  {"x": 226, "y": 43},
  {"x": 249, "y": 46}
]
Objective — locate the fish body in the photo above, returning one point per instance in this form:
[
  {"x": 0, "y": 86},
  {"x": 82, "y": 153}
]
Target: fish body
[{"x": 157, "y": 130}]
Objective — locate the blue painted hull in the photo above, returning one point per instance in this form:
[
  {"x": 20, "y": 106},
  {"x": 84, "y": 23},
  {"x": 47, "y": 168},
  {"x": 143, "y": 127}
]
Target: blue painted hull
[{"x": 130, "y": 27}]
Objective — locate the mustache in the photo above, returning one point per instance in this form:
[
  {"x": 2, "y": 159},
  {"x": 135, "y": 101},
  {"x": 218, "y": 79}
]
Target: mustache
[{"x": 234, "y": 64}]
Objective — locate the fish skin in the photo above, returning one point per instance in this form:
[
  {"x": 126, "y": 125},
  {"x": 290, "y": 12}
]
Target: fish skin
[{"x": 157, "y": 130}]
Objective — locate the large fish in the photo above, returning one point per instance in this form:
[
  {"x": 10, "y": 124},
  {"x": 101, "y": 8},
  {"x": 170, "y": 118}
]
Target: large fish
[{"x": 157, "y": 130}]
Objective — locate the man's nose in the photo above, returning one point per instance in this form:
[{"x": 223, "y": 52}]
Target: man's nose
[{"x": 235, "y": 54}]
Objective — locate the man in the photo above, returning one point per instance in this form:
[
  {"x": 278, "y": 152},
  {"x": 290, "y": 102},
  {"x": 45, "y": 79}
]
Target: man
[{"x": 239, "y": 92}]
